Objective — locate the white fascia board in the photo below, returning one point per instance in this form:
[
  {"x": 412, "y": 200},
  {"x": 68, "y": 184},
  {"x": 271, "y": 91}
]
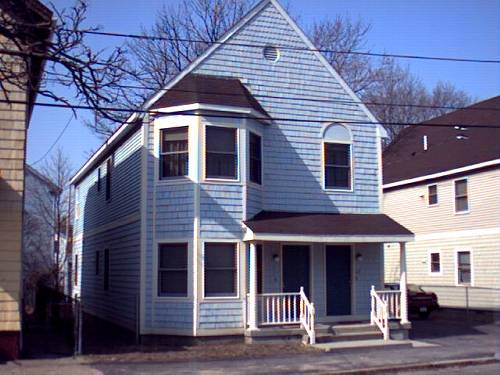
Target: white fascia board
[
  {"x": 318, "y": 54},
  {"x": 442, "y": 174},
  {"x": 110, "y": 141},
  {"x": 382, "y": 132},
  {"x": 251, "y": 236}
]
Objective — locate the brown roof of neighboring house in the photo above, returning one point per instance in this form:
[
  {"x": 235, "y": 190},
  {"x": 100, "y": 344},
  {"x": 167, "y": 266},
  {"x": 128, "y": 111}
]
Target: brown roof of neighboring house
[
  {"x": 325, "y": 224},
  {"x": 203, "y": 89},
  {"x": 406, "y": 158}
]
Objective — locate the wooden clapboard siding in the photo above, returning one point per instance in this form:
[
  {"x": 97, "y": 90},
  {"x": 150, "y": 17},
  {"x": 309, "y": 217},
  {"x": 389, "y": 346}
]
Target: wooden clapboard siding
[
  {"x": 12, "y": 154},
  {"x": 408, "y": 205}
]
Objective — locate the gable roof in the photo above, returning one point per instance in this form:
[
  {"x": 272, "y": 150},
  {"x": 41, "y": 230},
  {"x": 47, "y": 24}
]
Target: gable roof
[
  {"x": 148, "y": 105},
  {"x": 203, "y": 89},
  {"x": 406, "y": 158}
]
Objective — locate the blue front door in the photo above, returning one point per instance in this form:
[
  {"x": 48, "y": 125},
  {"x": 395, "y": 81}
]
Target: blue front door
[
  {"x": 338, "y": 280},
  {"x": 295, "y": 268}
]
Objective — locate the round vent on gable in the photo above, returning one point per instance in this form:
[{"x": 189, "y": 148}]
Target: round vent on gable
[{"x": 271, "y": 53}]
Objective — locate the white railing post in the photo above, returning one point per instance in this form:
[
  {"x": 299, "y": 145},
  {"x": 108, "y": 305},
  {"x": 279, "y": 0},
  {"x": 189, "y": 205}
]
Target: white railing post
[
  {"x": 252, "y": 298},
  {"x": 403, "y": 283}
]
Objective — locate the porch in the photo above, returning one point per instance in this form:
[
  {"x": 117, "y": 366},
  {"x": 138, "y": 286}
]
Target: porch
[{"x": 305, "y": 280}]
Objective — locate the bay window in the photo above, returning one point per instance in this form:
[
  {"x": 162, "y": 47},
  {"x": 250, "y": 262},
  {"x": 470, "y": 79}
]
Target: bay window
[
  {"x": 221, "y": 156},
  {"x": 173, "y": 270},
  {"x": 174, "y": 153},
  {"x": 220, "y": 269}
]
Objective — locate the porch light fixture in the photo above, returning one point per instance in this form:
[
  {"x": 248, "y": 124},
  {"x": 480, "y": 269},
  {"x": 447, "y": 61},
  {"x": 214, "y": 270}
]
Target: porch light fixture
[
  {"x": 276, "y": 258},
  {"x": 359, "y": 257}
]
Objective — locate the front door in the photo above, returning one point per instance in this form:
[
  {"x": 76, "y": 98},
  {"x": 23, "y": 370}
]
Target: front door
[
  {"x": 338, "y": 280},
  {"x": 295, "y": 268}
]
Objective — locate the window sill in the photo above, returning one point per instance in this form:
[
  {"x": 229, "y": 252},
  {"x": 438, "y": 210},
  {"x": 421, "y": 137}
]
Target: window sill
[
  {"x": 172, "y": 299},
  {"x": 433, "y": 205},
  {"x": 255, "y": 185},
  {"x": 174, "y": 181},
  {"x": 219, "y": 181},
  {"x": 221, "y": 299},
  {"x": 462, "y": 212},
  {"x": 334, "y": 190}
]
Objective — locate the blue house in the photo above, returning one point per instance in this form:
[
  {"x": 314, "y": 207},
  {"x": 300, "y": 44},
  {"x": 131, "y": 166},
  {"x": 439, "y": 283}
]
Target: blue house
[{"x": 246, "y": 196}]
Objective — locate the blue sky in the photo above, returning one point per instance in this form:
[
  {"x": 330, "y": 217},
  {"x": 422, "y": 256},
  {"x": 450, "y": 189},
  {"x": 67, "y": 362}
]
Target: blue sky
[{"x": 457, "y": 28}]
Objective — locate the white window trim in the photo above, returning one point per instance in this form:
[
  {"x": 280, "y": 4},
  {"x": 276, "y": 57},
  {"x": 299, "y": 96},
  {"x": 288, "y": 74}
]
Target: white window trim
[
  {"x": 428, "y": 195},
  {"x": 429, "y": 261},
  {"x": 454, "y": 197},
  {"x": 239, "y": 248},
  {"x": 456, "y": 251},
  {"x": 170, "y": 122},
  {"x": 205, "y": 179},
  {"x": 157, "y": 243}
]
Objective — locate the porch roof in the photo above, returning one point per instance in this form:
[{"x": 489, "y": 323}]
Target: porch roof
[{"x": 325, "y": 227}]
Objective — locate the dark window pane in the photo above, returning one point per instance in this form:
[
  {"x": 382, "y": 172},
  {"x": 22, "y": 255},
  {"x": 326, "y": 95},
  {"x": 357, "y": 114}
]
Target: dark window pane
[
  {"x": 461, "y": 204},
  {"x": 255, "y": 159},
  {"x": 337, "y": 166},
  {"x": 220, "y": 269},
  {"x": 173, "y": 255},
  {"x": 174, "y": 154},
  {"x": 219, "y": 139},
  {"x": 433, "y": 195},
  {"x": 337, "y": 154},
  {"x": 464, "y": 258},
  {"x": 172, "y": 283},
  {"x": 174, "y": 165},
  {"x": 221, "y": 165},
  {"x": 109, "y": 171},
  {"x": 435, "y": 262},
  {"x": 337, "y": 177},
  {"x": 174, "y": 139},
  {"x": 460, "y": 188},
  {"x": 464, "y": 267}
]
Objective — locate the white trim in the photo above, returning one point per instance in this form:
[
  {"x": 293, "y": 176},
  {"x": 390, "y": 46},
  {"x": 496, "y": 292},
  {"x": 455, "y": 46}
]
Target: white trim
[
  {"x": 455, "y": 196},
  {"x": 239, "y": 247},
  {"x": 458, "y": 234},
  {"x": 471, "y": 256},
  {"x": 323, "y": 175},
  {"x": 429, "y": 262},
  {"x": 144, "y": 211},
  {"x": 190, "y": 279},
  {"x": 443, "y": 174},
  {"x": 251, "y": 236},
  {"x": 427, "y": 195},
  {"x": 196, "y": 261}
]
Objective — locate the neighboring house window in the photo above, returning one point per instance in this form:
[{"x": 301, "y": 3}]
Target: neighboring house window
[
  {"x": 464, "y": 267},
  {"x": 255, "y": 158},
  {"x": 337, "y": 149},
  {"x": 461, "y": 196},
  {"x": 174, "y": 153},
  {"x": 220, "y": 269},
  {"x": 97, "y": 262},
  {"x": 106, "y": 270},
  {"x": 99, "y": 179},
  {"x": 432, "y": 194},
  {"x": 76, "y": 270},
  {"x": 435, "y": 262},
  {"x": 109, "y": 171},
  {"x": 173, "y": 270},
  {"x": 221, "y": 153}
]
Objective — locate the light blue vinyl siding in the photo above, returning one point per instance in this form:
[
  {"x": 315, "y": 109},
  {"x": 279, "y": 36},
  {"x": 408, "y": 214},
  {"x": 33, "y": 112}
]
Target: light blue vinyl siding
[
  {"x": 292, "y": 150},
  {"x": 254, "y": 200},
  {"x": 221, "y": 211},
  {"x": 174, "y": 210},
  {"x": 113, "y": 225},
  {"x": 218, "y": 315},
  {"x": 173, "y": 315}
]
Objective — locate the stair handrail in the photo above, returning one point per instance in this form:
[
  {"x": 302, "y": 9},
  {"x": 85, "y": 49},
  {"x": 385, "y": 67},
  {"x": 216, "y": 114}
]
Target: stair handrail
[
  {"x": 307, "y": 316},
  {"x": 379, "y": 313}
]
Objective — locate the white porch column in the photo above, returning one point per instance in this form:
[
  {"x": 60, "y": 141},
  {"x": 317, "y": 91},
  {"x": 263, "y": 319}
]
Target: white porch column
[
  {"x": 252, "y": 298},
  {"x": 403, "y": 283}
]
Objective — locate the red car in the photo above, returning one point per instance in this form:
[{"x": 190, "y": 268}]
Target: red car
[{"x": 420, "y": 302}]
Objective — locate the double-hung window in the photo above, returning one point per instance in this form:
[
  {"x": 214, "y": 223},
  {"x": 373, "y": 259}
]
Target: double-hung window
[
  {"x": 220, "y": 269},
  {"x": 464, "y": 268},
  {"x": 255, "y": 158},
  {"x": 432, "y": 195},
  {"x": 174, "y": 152},
  {"x": 435, "y": 262},
  {"x": 338, "y": 166},
  {"x": 221, "y": 159},
  {"x": 173, "y": 270},
  {"x": 461, "y": 196}
]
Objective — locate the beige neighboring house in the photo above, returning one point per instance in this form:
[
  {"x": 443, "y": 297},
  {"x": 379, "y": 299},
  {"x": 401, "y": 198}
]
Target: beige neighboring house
[
  {"x": 14, "y": 120},
  {"x": 443, "y": 183}
]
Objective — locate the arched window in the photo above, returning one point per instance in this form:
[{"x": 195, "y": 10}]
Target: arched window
[{"x": 337, "y": 150}]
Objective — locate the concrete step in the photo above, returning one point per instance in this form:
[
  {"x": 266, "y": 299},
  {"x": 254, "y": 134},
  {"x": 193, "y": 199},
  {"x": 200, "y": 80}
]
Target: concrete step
[
  {"x": 345, "y": 337},
  {"x": 341, "y": 329},
  {"x": 361, "y": 345}
]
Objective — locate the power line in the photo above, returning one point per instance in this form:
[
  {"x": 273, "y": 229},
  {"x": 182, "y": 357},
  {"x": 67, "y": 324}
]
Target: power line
[
  {"x": 263, "y": 118},
  {"x": 57, "y": 140},
  {"x": 249, "y": 45}
]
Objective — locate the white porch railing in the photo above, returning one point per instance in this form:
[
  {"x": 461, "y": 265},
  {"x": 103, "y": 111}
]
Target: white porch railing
[
  {"x": 392, "y": 299},
  {"x": 283, "y": 309},
  {"x": 379, "y": 313}
]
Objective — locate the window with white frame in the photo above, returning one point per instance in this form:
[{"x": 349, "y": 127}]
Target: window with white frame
[
  {"x": 337, "y": 150},
  {"x": 173, "y": 270},
  {"x": 109, "y": 171},
  {"x": 255, "y": 158},
  {"x": 464, "y": 267},
  {"x": 461, "y": 196},
  {"x": 220, "y": 269},
  {"x": 435, "y": 262},
  {"x": 221, "y": 153},
  {"x": 174, "y": 152},
  {"x": 432, "y": 195}
]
